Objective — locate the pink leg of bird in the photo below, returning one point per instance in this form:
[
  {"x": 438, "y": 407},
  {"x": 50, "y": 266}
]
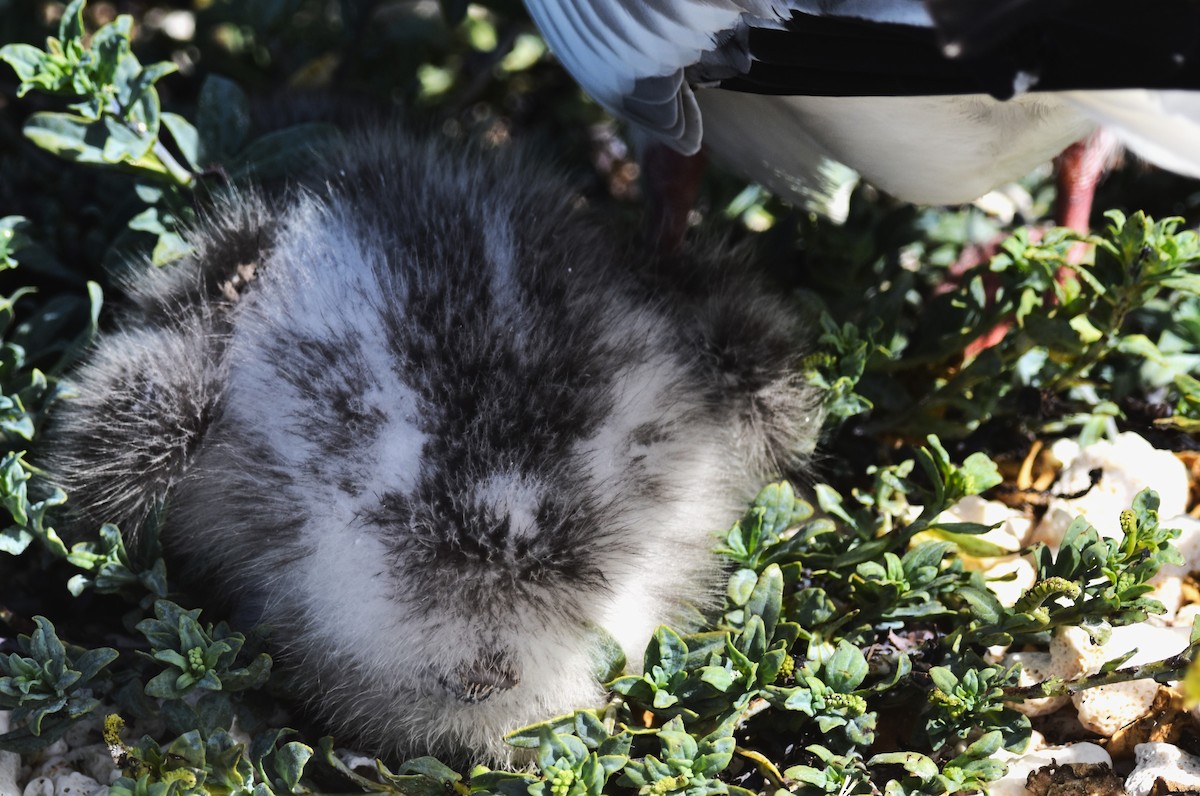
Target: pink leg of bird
[
  {"x": 672, "y": 183},
  {"x": 1077, "y": 172}
]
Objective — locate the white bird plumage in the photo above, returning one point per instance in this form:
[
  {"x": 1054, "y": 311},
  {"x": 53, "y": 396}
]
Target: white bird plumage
[{"x": 640, "y": 59}]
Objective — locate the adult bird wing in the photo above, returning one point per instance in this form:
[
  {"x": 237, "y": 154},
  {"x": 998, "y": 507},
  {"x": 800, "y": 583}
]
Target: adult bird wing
[
  {"x": 641, "y": 59},
  {"x": 631, "y": 55}
]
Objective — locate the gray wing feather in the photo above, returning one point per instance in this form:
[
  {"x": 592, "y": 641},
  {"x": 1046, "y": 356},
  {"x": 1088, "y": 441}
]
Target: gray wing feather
[{"x": 631, "y": 56}]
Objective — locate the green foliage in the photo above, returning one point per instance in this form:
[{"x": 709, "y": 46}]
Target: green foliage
[
  {"x": 792, "y": 657},
  {"x": 117, "y": 119},
  {"x": 569, "y": 766},
  {"x": 47, "y": 687},
  {"x": 1090, "y": 579},
  {"x": 26, "y": 392},
  {"x": 775, "y": 510},
  {"x": 663, "y": 674},
  {"x": 576, "y": 755},
  {"x": 789, "y": 659},
  {"x": 112, "y": 569},
  {"x": 196, "y": 657},
  {"x": 117, "y": 122},
  {"x": 21, "y": 387},
  {"x": 686, "y": 765},
  {"x": 1091, "y": 334},
  {"x": 835, "y": 618},
  {"x": 28, "y": 517},
  {"x": 842, "y": 359},
  {"x": 829, "y": 693},
  {"x": 840, "y": 774},
  {"x": 971, "y": 770},
  {"x": 968, "y": 699},
  {"x": 194, "y": 764}
]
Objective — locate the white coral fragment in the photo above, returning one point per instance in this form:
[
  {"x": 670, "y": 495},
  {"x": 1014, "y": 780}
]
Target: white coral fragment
[
  {"x": 66, "y": 783},
  {"x": 1179, "y": 770},
  {"x": 1120, "y": 469},
  {"x": 1074, "y": 652},
  {"x": 10, "y": 762},
  {"x": 1104, "y": 709},
  {"x": 1035, "y": 668},
  {"x": 1013, "y": 527},
  {"x": 1008, "y": 576},
  {"x": 1108, "y": 708}
]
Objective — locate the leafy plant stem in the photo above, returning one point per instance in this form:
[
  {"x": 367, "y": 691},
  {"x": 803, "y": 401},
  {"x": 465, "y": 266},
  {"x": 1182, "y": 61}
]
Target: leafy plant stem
[
  {"x": 1097, "y": 351},
  {"x": 178, "y": 173},
  {"x": 1172, "y": 668}
]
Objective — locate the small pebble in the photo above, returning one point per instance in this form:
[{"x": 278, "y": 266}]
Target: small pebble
[
  {"x": 1179, "y": 770},
  {"x": 1126, "y": 466}
]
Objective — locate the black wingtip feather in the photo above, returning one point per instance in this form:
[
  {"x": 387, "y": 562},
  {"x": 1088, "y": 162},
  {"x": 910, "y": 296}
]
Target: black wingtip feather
[{"x": 1005, "y": 49}]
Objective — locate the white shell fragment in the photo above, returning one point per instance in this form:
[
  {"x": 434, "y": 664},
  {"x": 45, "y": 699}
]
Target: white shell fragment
[
  {"x": 71, "y": 766},
  {"x": 1126, "y": 466},
  {"x": 1036, "y": 667},
  {"x": 1008, "y": 576},
  {"x": 67, "y": 783},
  {"x": 1102, "y": 481},
  {"x": 1179, "y": 770},
  {"x": 1072, "y": 654},
  {"x": 1013, "y": 527},
  {"x": 10, "y": 763},
  {"x": 1106, "y": 709}
]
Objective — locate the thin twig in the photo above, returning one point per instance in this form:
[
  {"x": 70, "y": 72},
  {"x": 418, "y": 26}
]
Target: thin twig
[{"x": 1170, "y": 669}]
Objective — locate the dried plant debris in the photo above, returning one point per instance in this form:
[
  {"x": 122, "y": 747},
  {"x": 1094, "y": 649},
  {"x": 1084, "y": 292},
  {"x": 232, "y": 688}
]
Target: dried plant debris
[
  {"x": 1079, "y": 779},
  {"x": 1165, "y": 721}
]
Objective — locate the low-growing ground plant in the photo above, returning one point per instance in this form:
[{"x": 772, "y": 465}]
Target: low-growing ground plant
[{"x": 851, "y": 652}]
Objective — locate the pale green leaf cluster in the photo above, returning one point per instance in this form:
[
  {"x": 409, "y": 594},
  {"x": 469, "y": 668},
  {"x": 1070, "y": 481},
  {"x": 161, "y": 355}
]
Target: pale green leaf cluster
[
  {"x": 1090, "y": 331},
  {"x": 116, "y": 118}
]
